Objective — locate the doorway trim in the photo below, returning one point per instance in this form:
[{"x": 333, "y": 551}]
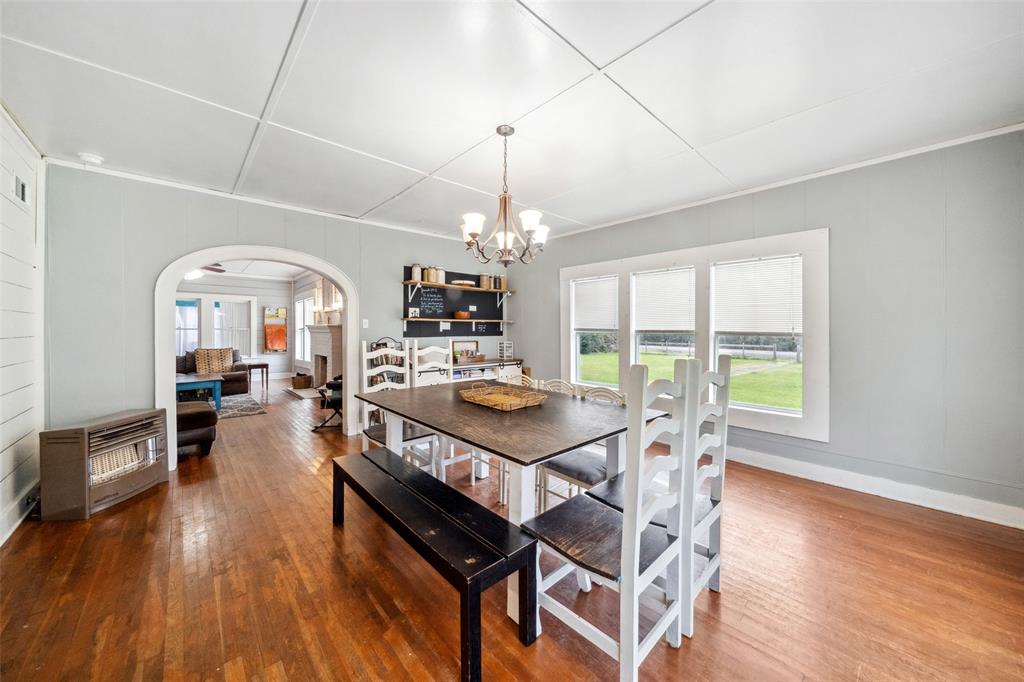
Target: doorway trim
[{"x": 163, "y": 316}]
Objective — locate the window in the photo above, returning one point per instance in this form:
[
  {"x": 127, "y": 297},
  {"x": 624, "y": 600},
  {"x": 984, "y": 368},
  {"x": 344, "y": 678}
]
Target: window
[
  {"x": 663, "y": 319},
  {"x": 232, "y": 322},
  {"x": 595, "y": 320},
  {"x": 757, "y": 318},
  {"x": 763, "y": 301},
  {"x": 186, "y": 325},
  {"x": 303, "y": 317}
]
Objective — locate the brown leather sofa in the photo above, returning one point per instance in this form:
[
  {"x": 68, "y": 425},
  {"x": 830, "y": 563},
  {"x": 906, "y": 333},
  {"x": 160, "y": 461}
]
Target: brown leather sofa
[{"x": 236, "y": 381}]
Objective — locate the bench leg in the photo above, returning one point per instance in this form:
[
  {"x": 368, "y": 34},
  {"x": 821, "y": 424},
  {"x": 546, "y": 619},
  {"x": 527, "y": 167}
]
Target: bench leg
[
  {"x": 528, "y": 598},
  {"x": 470, "y": 633},
  {"x": 339, "y": 497}
]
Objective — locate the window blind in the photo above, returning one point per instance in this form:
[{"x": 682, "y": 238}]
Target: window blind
[
  {"x": 663, "y": 301},
  {"x": 595, "y": 303},
  {"x": 759, "y": 296}
]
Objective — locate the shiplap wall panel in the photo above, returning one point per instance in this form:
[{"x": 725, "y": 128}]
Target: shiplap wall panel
[
  {"x": 14, "y": 429},
  {"x": 17, "y": 243},
  {"x": 15, "y": 402},
  {"x": 13, "y": 377},
  {"x": 15, "y": 271},
  {"x": 16, "y": 325},
  {"x": 16, "y": 298},
  {"x": 16, "y": 351},
  {"x": 20, "y": 342}
]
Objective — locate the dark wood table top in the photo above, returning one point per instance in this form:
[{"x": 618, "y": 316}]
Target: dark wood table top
[{"x": 527, "y": 436}]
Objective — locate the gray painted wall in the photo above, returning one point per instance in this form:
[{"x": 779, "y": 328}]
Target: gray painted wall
[
  {"x": 268, "y": 293},
  {"x": 108, "y": 239},
  {"x": 926, "y": 310}
]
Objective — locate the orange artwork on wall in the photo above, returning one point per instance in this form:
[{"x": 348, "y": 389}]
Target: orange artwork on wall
[{"x": 275, "y": 330}]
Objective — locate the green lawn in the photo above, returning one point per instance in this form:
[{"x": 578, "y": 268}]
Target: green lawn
[{"x": 777, "y": 385}]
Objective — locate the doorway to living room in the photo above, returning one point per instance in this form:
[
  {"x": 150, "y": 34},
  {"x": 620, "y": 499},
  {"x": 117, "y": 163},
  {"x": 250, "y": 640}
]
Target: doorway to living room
[{"x": 277, "y": 311}]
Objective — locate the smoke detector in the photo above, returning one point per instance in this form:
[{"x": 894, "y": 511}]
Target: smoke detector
[{"x": 90, "y": 158}]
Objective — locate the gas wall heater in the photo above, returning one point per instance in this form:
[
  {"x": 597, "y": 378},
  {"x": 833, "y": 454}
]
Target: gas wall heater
[{"x": 91, "y": 466}]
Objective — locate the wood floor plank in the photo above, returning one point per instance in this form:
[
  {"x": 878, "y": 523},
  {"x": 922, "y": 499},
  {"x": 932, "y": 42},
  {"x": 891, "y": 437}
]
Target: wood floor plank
[{"x": 233, "y": 571}]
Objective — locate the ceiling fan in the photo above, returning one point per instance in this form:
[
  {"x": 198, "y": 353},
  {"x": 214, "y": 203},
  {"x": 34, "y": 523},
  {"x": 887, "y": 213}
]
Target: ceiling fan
[{"x": 215, "y": 268}]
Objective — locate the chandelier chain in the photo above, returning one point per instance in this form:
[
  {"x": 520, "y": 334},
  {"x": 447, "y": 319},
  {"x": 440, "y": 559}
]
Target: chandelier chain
[{"x": 504, "y": 174}]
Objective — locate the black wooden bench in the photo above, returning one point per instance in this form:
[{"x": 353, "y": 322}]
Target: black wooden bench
[{"x": 468, "y": 544}]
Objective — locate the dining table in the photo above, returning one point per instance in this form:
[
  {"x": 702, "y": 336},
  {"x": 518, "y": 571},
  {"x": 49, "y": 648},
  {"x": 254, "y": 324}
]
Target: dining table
[{"x": 524, "y": 438}]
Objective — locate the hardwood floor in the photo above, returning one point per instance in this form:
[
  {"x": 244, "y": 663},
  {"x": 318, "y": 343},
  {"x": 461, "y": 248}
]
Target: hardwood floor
[{"x": 233, "y": 571}]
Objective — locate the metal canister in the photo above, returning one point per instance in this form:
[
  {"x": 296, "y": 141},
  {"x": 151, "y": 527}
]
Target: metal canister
[{"x": 485, "y": 281}]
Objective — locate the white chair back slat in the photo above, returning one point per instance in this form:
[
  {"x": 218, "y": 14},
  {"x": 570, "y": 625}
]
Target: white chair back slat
[
  {"x": 381, "y": 369},
  {"x": 658, "y": 427},
  {"x": 521, "y": 380},
  {"x": 602, "y": 394},
  {"x": 431, "y": 365},
  {"x": 661, "y": 387},
  {"x": 558, "y": 386},
  {"x": 708, "y": 441}
]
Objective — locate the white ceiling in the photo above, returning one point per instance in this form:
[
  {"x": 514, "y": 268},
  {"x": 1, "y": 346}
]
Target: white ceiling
[
  {"x": 386, "y": 110},
  {"x": 261, "y": 269}
]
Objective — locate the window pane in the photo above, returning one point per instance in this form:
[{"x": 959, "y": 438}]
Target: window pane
[
  {"x": 664, "y": 300},
  {"x": 595, "y": 303},
  {"x": 660, "y": 351},
  {"x": 767, "y": 371},
  {"x": 759, "y": 296},
  {"x": 231, "y": 322},
  {"x": 597, "y": 358}
]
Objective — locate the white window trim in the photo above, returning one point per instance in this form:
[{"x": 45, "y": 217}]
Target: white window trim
[
  {"x": 812, "y": 245},
  {"x": 297, "y": 299},
  {"x": 206, "y": 330}
]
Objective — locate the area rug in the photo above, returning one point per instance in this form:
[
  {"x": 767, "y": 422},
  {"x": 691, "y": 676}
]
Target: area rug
[
  {"x": 304, "y": 393},
  {"x": 243, "y": 405}
]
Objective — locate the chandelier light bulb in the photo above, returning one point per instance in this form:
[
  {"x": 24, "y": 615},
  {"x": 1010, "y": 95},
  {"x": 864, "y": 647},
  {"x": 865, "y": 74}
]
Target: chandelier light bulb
[
  {"x": 530, "y": 220},
  {"x": 540, "y": 234},
  {"x": 473, "y": 225}
]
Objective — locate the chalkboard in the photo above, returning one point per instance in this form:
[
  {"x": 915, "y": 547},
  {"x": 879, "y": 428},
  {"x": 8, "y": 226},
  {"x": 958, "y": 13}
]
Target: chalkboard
[
  {"x": 431, "y": 303},
  {"x": 442, "y": 304}
]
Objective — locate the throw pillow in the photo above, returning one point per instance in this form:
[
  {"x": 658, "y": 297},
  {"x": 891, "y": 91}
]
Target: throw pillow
[
  {"x": 190, "y": 362},
  {"x": 213, "y": 360}
]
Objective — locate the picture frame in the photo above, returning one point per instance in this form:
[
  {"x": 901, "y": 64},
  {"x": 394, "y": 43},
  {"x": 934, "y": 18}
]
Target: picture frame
[{"x": 460, "y": 346}]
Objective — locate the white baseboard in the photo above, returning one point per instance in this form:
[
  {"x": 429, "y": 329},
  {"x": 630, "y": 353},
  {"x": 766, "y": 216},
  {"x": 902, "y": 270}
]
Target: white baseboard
[
  {"x": 16, "y": 512},
  {"x": 994, "y": 512}
]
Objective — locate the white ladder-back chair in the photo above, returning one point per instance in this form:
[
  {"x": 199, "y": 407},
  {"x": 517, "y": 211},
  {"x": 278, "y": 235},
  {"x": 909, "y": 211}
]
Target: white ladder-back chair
[
  {"x": 623, "y": 550},
  {"x": 584, "y": 468},
  {"x": 387, "y": 369},
  {"x": 703, "y": 485},
  {"x": 430, "y": 366},
  {"x": 702, "y": 512}
]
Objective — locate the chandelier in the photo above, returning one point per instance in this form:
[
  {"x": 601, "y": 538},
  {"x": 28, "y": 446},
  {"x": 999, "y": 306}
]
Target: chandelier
[{"x": 511, "y": 241}]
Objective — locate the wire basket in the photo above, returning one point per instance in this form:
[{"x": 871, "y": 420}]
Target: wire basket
[{"x": 504, "y": 398}]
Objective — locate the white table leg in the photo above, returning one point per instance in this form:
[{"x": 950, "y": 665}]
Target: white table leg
[
  {"x": 393, "y": 434},
  {"x": 522, "y": 506},
  {"x": 615, "y": 448},
  {"x": 481, "y": 467}
]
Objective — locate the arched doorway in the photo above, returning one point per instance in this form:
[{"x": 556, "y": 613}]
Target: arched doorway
[{"x": 163, "y": 302}]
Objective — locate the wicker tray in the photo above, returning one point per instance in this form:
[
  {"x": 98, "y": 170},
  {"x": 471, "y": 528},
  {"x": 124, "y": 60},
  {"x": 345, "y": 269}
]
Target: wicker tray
[{"x": 504, "y": 398}]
